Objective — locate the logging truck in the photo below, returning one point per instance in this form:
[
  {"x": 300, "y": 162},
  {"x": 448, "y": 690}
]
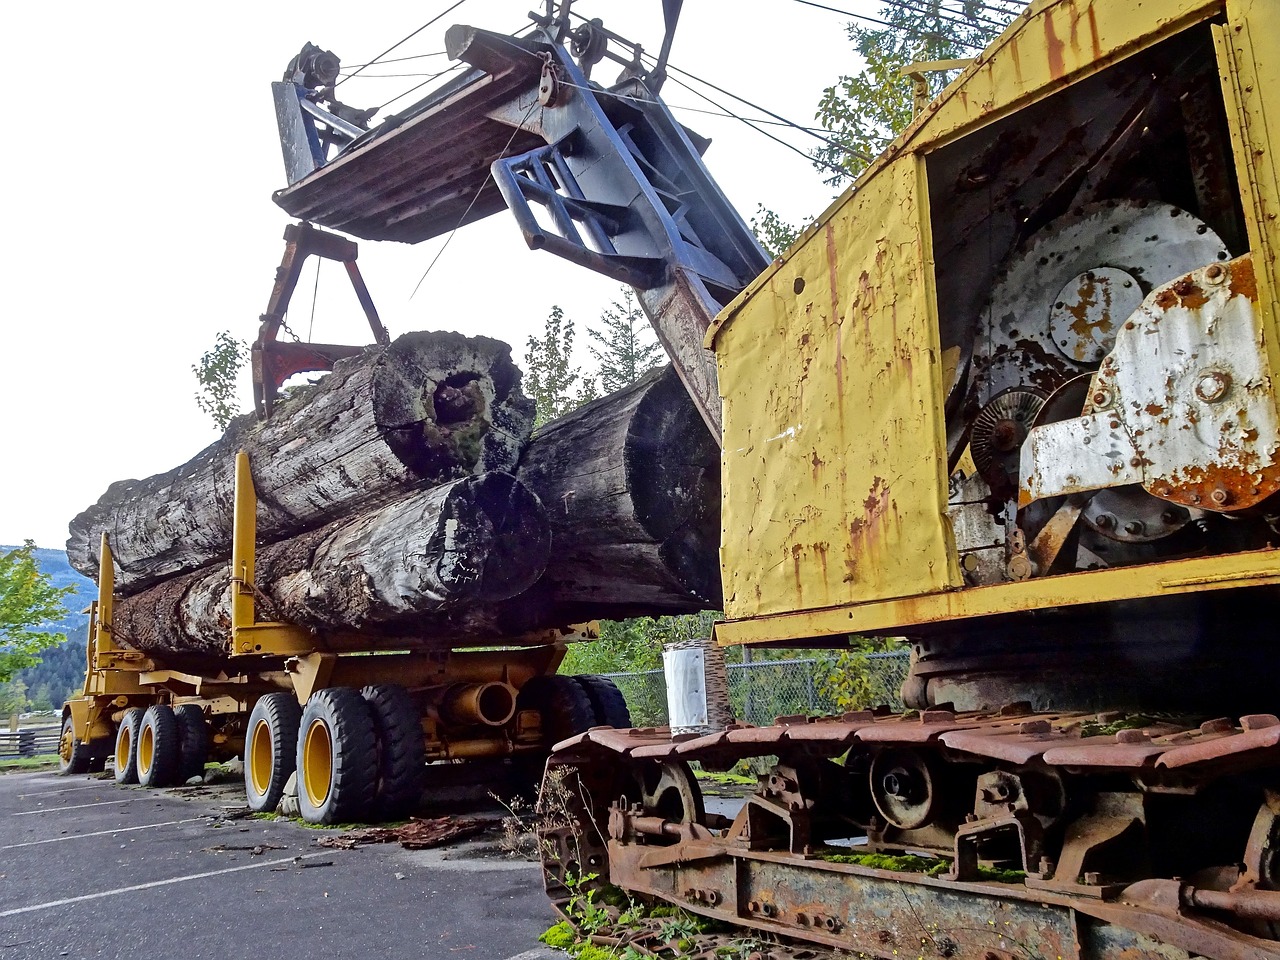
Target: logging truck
[{"x": 1011, "y": 397}]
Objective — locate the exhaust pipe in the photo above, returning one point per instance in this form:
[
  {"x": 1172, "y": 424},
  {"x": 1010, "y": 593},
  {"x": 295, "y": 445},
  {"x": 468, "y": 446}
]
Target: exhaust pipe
[{"x": 492, "y": 704}]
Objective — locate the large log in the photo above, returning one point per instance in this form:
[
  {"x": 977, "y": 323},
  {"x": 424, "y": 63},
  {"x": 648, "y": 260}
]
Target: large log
[
  {"x": 428, "y": 409},
  {"x": 429, "y": 566},
  {"x": 631, "y": 485}
]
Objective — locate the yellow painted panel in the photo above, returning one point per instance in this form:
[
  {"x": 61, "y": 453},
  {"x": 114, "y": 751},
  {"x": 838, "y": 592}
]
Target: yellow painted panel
[
  {"x": 1249, "y": 55},
  {"x": 1253, "y": 569},
  {"x": 834, "y": 456},
  {"x": 1052, "y": 44}
]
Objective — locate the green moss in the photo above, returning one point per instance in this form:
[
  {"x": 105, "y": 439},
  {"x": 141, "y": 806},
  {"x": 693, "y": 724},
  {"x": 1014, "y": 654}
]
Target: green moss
[
  {"x": 1091, "y": 728},
  {"x": 732, "y": 778},
  {"x": 589, "y": 951},
  {"x": 561, "y": 935},
  {"x": 908, "y": 863},
  {"x": 1001, "y": 876}
]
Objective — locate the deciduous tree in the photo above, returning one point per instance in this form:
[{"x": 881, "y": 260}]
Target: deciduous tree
[
  {"x": 550, "y": 377},
  {"x": 28, "y": 599}
]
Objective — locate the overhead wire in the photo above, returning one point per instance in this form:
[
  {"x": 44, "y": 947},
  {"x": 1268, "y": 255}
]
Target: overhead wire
[
  {"x": 964, "y": 19},
  {"x": 403, "y": 40},
  {"x": 419, "y": 86},
  {"x": 463, "y": 219},
  {"x": 415, "y": 56},
  {"x": 884, "y": 23}
]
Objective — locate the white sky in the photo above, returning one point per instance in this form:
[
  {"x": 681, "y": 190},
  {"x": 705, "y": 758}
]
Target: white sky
[{"x": 142, "y": 153}]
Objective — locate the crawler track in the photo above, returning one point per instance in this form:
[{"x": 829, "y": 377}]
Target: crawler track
[{"x": 984, "y": 835}]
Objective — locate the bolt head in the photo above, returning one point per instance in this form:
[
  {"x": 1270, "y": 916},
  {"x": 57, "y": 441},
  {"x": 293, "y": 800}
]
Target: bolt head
[
  {"x": 1212, "y": 386},
  {"x": 1220, "y": 496}
]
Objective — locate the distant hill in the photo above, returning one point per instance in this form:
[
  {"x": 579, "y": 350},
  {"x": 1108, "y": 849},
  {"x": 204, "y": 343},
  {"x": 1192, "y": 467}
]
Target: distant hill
[{"x": 61, "y": 670}]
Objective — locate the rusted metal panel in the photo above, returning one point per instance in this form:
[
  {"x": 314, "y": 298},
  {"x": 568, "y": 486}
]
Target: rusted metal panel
[
  {"x": 834, "y": 458},
  {"x": 1255, "y": 733},
  {"x": 376, "y": 189},
  {"x": 1183, "y": 404}
]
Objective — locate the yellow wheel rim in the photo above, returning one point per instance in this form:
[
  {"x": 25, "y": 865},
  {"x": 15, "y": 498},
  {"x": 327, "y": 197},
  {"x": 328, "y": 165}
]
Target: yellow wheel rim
[
  {"x": 66, "y": 744},
  {"x": 124, "y": 747},
  {"x": 317, "y": 761},
  {"x": 146, "y": 750},
  {"x": 261, "y": 757}
]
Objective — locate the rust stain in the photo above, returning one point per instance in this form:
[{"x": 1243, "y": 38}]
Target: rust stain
[
  {"x": 1093, "y": 34},
  {"x": 1243, "y": 283},
  {"x": 833, "y": 279},
  {"x": 1053, "y": 48},
  {"x": 1016, "y": 54}
]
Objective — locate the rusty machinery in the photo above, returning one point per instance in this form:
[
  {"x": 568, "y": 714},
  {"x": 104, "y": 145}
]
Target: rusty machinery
[{"x": 1010, "y": 397}]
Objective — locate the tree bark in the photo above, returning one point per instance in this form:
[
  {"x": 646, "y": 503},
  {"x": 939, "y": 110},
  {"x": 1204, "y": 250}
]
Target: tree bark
[
  {"x": 428, "y": 409},
  {"x": 631, "y": 486},
  {"x": 429, "y": 567}
]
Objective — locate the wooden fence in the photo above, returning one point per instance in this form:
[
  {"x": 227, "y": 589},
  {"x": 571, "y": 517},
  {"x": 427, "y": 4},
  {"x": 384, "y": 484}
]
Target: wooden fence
[{"x": 29, "y": 741}]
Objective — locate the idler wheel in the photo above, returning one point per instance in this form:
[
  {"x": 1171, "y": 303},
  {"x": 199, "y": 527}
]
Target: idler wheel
[{"x": 904, "y": 786}]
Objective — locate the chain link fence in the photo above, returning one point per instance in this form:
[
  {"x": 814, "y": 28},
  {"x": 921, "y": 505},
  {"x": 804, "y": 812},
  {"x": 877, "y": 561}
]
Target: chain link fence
[{"x": 763, "y": 690}]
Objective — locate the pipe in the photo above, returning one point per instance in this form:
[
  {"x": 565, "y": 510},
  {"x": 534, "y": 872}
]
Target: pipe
[{"x": 492, "y": 704}]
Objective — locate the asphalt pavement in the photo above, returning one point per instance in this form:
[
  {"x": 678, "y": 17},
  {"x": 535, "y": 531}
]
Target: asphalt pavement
[{"x": 91, "y": 869}]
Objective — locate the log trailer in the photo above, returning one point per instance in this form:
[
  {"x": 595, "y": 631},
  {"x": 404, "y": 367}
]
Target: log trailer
[{"x": 1010, "y": 397}]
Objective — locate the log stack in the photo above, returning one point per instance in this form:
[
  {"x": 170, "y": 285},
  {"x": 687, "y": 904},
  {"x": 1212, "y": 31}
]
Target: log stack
[
  {"x": 430, "y": 408},
  {"x": 401, "y": 498}
]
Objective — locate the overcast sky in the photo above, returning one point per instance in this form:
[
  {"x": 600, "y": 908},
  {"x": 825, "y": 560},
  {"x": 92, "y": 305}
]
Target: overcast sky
[{"x": 142, "y": 157}]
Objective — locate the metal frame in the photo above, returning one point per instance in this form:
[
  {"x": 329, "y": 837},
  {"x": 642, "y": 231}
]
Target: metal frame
[{"x": 274, "y": 362}]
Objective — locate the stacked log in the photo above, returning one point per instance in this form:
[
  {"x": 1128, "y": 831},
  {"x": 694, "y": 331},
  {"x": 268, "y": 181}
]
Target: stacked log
[
  {"x": 428, "y": 409},
  {"x": 631, "y": 486},
  {"x": 392, "y": 505},
  {"x": 427, "y": 566}
]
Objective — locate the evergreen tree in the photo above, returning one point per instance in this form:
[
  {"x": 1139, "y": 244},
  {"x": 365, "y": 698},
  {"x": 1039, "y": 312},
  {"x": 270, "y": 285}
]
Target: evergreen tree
[
  {"x": 628, "y": 349},
  {"x": 549, "y": 374}
]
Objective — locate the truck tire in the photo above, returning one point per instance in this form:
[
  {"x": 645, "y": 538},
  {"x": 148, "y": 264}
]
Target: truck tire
[
  {"x": 158, "y": 747},
  {"x": 73, "y": 754},
  {"x": 565, "y": 707},
  {"x": 402, "y": 754},
  {"x": 126, "y": 746},
  {"x": 607, "y": 701},
  {"x": 193, "y": 741},
  {"x": 337, "y": 757},
  {"x": 566, "y": 711},
  {"x": 270, "y": 750}
]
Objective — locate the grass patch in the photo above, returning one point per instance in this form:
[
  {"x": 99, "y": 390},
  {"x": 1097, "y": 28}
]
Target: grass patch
[{"x": 29, "y": 763}]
